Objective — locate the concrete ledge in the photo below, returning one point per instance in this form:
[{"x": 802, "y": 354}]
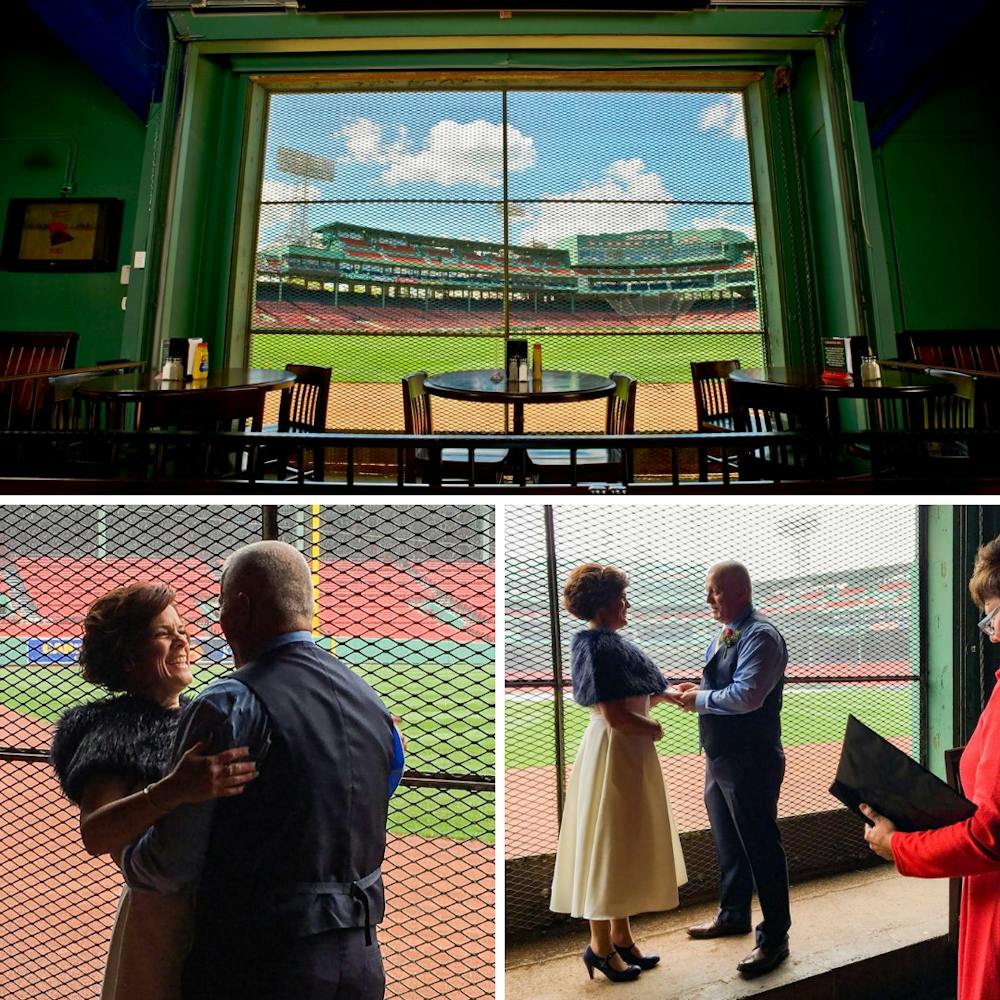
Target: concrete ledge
[{"x": 859, "y": 935}]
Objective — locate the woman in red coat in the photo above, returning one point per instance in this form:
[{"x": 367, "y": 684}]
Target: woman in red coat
[{"x": 971, "y": 848}]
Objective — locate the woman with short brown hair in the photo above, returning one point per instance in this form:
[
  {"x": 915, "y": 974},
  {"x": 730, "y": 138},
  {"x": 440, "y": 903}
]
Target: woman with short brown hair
[
  {"x": 619, "y": 852},
  {"x": 112, "y": 758}
]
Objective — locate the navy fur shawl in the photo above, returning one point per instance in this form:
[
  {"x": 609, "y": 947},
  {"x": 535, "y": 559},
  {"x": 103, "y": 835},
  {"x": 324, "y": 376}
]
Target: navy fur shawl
[
  {"x": 607, "y": 667},
  {"x": 125, "y": 736}
]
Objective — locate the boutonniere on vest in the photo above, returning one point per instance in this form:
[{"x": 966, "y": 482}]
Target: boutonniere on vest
[{"x": 729, "y": 637}]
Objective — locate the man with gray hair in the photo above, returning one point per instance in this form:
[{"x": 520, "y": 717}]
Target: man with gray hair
[
  {"x": 739, "y": 723},
  {"x": 288, "y": 877}
]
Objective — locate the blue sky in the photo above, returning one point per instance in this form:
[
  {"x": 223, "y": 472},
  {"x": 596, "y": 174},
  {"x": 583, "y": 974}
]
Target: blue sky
[{"x": 655, "y": 148}]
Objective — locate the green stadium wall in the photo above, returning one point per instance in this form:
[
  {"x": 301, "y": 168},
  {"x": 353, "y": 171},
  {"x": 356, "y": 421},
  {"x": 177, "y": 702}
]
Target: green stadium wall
[
  {"x": 928, "y": 193},
  {"x": 47, "y": 92}
]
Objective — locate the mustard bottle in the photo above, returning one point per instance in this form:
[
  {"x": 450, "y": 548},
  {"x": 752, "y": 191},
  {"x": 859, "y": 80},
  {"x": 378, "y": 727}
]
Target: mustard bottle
[{"x": 200, "y": 366}]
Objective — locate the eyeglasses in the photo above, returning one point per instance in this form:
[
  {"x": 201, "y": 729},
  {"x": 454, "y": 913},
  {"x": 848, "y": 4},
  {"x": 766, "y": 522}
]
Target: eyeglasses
[{"x": 986, "y": 625}]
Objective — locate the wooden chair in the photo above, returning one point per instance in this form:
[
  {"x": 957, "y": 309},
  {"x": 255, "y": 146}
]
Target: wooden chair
[
  {"x": 26, "y": 402},
  {"x": 422, "y": 464},
  {"x": 303, "y": 409},
  {"x": 768, "y": 408},
  {"x": 593, "y": 465},
  {"x": 713, "y": 411},
  {"x": 949, "y": 456},
  {"x": 198, "y": 410}
]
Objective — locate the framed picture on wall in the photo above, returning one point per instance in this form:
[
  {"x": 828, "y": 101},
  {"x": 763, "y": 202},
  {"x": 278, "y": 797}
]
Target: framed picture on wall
[{"x": 62, "y": 234}]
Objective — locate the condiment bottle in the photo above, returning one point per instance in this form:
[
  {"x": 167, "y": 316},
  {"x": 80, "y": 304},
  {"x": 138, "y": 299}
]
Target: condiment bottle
[
  {"x": 200, "y": 361},
  {"x": 536, "y": 362},
  {"x": 173, "y": 370},
  {"x": 870, "y": 369}
]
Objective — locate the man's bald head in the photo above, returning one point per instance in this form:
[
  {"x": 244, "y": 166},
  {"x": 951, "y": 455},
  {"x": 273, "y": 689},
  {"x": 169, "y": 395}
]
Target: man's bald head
[
  {"x": 727, "y": 590},
  {"x": 266, "y": 590}
]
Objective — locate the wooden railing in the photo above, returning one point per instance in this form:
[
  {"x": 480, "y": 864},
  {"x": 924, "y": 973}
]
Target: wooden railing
[{"x": 185, "y": 461}]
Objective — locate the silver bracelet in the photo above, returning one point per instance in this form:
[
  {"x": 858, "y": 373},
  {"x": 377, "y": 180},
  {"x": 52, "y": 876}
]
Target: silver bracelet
[{"x": 149, "y": 797}]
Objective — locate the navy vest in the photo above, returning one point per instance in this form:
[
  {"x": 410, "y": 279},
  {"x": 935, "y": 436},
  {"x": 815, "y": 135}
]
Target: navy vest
[
  {"x": 300, "y": 851},
  {"x": 760, "y": 729}
]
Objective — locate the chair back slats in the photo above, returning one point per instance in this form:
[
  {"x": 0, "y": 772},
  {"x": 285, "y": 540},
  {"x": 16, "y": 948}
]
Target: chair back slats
[
  {"x": 975, "y": 349},
  {"x": 416, "y": 420},
  {"x": 25, "y": 403},
  {"x": 765, "y": 409},
  {"x": 303, "y": 408},
  {"x": 621, "y": 405},
  {"x": 954, "y": 412},
  {"x": 713, "y": 411},
  {"x": 416, "y": 405},
  {"x": 305, "y": 402}
]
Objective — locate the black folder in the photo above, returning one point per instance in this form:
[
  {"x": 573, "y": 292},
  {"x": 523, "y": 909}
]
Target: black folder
[{"x": 872, "y": 770}]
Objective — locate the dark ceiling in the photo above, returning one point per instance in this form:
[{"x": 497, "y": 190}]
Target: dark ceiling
[{"x": 895, "y": 47}]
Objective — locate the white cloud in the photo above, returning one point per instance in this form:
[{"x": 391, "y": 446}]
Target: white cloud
[
  {"x": 623, "y": 180},
  {"x": 363, "y": 139},
  {"x": 720, "y": 221},
  {"x": 726, "y": 115},
  {"x": 454, "y": 153}
]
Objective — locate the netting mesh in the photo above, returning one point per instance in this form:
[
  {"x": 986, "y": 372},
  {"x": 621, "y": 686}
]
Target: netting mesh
[
  {"x": 841, "y": 585},
  {"x": 405, "y": 598},
  {"x": 409, "y": 230}
]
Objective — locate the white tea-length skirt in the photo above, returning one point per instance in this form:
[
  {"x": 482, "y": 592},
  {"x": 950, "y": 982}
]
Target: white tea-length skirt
[
  {"x": 149, "y": 942},
  {"x": 619, "y": 853}
]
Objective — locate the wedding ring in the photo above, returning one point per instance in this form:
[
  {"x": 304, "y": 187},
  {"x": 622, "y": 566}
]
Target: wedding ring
[{"x": 229, "y": 770}]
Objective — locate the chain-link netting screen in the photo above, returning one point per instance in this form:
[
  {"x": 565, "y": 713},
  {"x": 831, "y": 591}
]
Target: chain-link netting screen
[
  {"x": 408, "y": 231},
  {"x": 840, "y": 583},
  {"x": 405, "y": 598}
]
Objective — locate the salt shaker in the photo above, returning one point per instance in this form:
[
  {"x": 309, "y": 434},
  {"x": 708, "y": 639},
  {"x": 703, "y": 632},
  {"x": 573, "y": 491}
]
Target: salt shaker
[
  {"x": 173, "y": 370},
  {"x": 870, "y": 370}
]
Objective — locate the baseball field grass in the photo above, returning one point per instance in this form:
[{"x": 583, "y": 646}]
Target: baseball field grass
[
  {"x": 448, "y": 720},
  {"x": 382, "y": 357},
  {"x": 810, "y": 714}
]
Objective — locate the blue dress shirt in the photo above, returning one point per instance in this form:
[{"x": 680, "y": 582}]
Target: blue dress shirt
[
  {"x": 760, "y": 664},
  {"x": 170, "y": 855}
]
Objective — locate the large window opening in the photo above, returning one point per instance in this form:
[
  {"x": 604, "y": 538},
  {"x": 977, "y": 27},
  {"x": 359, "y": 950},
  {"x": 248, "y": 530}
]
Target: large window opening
[
  {"x": 402, "y": 230},
  {"x": 840, "y": 583}
]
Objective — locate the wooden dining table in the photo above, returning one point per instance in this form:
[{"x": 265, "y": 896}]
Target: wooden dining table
[
  {"x": 911, "y": 388},
  {"x": 117, "y": 392},
  {"x": 482, "y": 385}
]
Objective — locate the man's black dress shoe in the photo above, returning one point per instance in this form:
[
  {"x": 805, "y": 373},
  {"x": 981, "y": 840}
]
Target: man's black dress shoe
[
  {"x": 762, "y": 960},
  {"x": 717, "y": 928}
]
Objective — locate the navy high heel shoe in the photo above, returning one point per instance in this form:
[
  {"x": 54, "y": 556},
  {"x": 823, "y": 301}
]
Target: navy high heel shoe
[
  {"x": 630, "y": 957},
  {"x": 594, "y": 961}
]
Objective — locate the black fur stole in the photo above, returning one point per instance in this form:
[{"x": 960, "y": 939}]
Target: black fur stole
[
  {"x": 126, "y": 736},
  {"x": 607, "y": 667}
]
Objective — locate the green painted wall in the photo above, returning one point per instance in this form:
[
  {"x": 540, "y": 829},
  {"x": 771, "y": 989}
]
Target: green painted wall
[
  {"x": 940, "y": 629},
  {"x": 934, "y": 177},
  {"x": 941, "y": 205},
  {"x": 48, "y": 92}
]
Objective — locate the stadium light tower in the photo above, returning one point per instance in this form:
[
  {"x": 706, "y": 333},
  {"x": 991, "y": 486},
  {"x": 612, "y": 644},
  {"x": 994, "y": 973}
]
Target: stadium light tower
[{"x": 304, "y": 167}]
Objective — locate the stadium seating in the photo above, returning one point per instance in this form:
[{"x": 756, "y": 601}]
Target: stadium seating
[{"x": 408, "y": 598}]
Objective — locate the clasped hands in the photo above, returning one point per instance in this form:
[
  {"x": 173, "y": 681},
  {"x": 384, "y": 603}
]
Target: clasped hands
[{"x": 682, "y": 695}]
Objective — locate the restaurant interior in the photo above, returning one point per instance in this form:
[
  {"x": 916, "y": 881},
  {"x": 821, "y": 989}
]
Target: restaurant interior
[{"x": 276, "y": 246}]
